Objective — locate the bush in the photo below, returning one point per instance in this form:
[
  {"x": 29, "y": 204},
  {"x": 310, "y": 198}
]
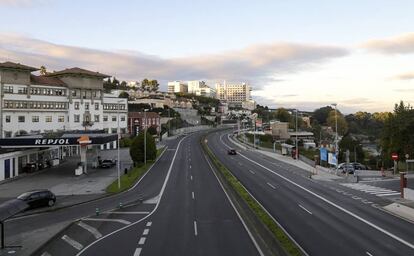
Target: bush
[
  {"x": 137, "y": 148},
  {"x": 125, "y": 142},
  {"x": 152, "y": 130}
]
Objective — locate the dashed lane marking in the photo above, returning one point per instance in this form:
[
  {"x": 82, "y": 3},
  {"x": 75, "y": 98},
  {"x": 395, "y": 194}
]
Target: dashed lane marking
[
  {"x": 143, "y": 212},
  {"x": 270, "y": 185},
  {"x": 142, "y": 241},
  {"x": 146, "y": 231},
  {"x": 75, "y": 244},
  {"x": 369, "y": 254},
  {"x": 149, "y": 224},
  {"x": 91, "y": 229},
  {"x": 306, "y": 210},
  {"x": 252, "y": 172},
  {"x": 195, "y": 228},
  {"x": 137, "y": 252},
  {"x": 46, "y": 254},
  {"x": 192, "y": 195},
  {"x": 108, "y": 220}
]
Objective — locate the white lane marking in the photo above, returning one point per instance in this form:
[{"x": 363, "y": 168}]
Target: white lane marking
[
  {"x": 91, "y": 229},
  {"x": 270, "y": 185},
  {"x": 149, "y": 224},
  {"x": 369, "y": 254},
  {"x": 190, "y": 166},
  {"x": 306, "y": 210},
  {"x": 192, "y": 195},
  {"x": 75, "y": 244},
  {"x": 46, "y": 254},
  {"x": 144, "y": 212},
  {"x": 142, "y": 241},
  {"x": 252, "y": 172},
  {"x": 390, "y": 194},
  {"x": 146, "y": 231},
  {"x": 195, "y": 228},
  {"x": 137, "y": 252},
  {"x": 164, "y": 185},
  {"x": 191, "y": 177},
  {"x": 335, "y": 205},
  {"x": 235, "y": 209},
  {"x": 108, "y": 220}
]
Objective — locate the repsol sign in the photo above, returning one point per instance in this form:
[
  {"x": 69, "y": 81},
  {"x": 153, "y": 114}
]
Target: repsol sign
[{"x": 51, "y": 142}]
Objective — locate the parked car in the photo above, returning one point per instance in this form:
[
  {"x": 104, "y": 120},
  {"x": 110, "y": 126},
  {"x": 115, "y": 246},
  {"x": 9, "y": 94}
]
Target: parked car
[
  {"x": 107, "y": 163},
  {"x": 346, "y": 168},
  {"x": 231, "y": 151},
  {"x": 358, "y": 166},
  {"x": 38, "y": 198}
]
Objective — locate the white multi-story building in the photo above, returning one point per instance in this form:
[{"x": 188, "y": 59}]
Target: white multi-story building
[
  {"x": 201, "y": 89},
  {"x": 177, "y": 86},
  {"x": 67, "y": 100},
  {"x": 233, "y": 93}
]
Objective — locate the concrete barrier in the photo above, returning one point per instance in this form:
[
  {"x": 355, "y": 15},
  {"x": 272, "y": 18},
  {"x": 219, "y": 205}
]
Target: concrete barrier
[{"x": 409, "y": 194}]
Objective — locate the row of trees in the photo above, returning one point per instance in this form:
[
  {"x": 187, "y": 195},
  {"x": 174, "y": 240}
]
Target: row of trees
[{"x": 144, "y": 85}]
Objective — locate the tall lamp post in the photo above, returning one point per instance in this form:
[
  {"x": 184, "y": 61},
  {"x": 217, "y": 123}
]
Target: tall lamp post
[
  {"x": 145, "y": 136},
  {"x": 118, "y": 163},
  {"x": 296, "y": 142},
  {"x": 336, "y": 135}
]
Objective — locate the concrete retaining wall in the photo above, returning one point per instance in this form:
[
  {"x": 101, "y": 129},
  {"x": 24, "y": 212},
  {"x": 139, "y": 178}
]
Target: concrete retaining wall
[{"x": 409, "y": 194}]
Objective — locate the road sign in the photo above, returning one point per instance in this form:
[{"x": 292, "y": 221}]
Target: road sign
[
  {"x": 407, "y": 156},
  {"x": 394, "y": 156}
]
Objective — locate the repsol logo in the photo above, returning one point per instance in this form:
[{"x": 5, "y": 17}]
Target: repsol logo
[{"x": 52, "y": 142}]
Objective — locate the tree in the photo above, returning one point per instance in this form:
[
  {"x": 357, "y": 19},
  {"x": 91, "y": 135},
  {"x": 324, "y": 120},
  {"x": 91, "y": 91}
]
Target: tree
[
  {"x": 283, "y": 115},
  {"x": 354, "y": 147},
  {"x": 321, "y": 114},
  {"x": 154, "y": 85},
  {"x": 43, "y": 70},
  {"x": 136, "y": 150},
  {"x": 115, "y": 82},
  {"x": 152, "y": 130},
  {"x": 145, "y": 84},
  {"x": 342, "y": 124},
  {"x": 124, "y": 95}
]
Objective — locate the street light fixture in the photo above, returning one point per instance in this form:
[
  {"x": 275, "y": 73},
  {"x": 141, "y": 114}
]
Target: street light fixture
[
  {"x": 336, "y": 135},
  {"x": 118, "y": 163},
  {"x": 145, "y": 136},
  {"x": 296, "y": 142}
]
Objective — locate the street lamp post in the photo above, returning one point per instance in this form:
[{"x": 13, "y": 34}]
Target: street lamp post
[
  {"x": 145, "y": 136},
  {"x": 296, "y": 142},
  {"x": 118, "y": 163},
  {"x": 336, "y": 135}
]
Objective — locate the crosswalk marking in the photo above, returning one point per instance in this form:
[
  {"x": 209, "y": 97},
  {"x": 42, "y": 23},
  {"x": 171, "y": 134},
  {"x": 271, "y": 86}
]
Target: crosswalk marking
[{"x": 377, "y": 191}]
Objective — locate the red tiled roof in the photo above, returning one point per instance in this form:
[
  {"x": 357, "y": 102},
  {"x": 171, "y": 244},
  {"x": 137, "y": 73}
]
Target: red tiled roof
[
  {"x": 13, "y": 65},
  {"x": 44, "y": 80},
  {"x": 77, "y": 71}
]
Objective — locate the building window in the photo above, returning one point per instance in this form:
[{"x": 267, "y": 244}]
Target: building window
[
  {"x": 35, "y": 119},
  {"x": 114, "y": 130},
  {"x": 7, "y": 134},
  {"x": 48, "y": 119},
  {"x": 113, "y": 118},
  {"x": 96, "y": 106},
  {"x": 22, "y": 90},
  {"x": 74, "y": 93},
  {"x": 21, "y": 119},
  {"x": 122, "y": 118},
  {"x": 76, "y": 118},
  {"x": 8, "y": 119},
  {"x": 86, "y": 106},
  {"x": 61, "y": 119},
  {"x": 76, "y": 105},
  {"x": 105, "y": 118},
  {"x": 96, "y": 118},
  {"x": 8, "y": 89}
]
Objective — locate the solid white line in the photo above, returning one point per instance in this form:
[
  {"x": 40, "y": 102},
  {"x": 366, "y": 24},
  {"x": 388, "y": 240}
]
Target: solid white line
[
  {"x": 108, "y": 220},
  {"x": 270, "y": 185},
  {"x": 195, "y": 228},
  {"x": 369, "y": 254},
  {"x": 252, "y": 172},
  {"x": 306, "y": 210},
  {"x": 142, "y": 241},
  {"x": 149, "y": 224},
  {"x": 381, "y": 192},
  {"x": 144, "y": 212},
  {"x": 192, "y": 194},
  {"x": 75, "y": 244},
  {"x": 156, "y": 206},
  {"x": 91, "y": 229},
  {"x": 335, "y": 205},
  {"x": 390, "y": 194},
  {"x": 235, "y": 209},
  {"x": 137, "y": 252},
  {"x": 146, "y": 231}
]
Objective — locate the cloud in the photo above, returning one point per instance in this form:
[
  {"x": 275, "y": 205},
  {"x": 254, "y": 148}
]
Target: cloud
[
  {"x": 393, "y": 45},
  {"x": 255, "y": 64},
  {"x": 404, "y": 76},
  {"x": 404, "y": 90},
  {"x": 23, "y": 3}
]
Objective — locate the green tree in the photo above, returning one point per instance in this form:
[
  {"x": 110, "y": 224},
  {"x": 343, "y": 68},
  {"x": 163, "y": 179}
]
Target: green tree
[
  {"x": 145, "y": 84},
  {"x": 342, "y": 124},
  {"x": 153, "y": 85},
  {"x": 152, "y": 130},
  {"x": 124, "y": 95},
  {"x": 283, "y": 115},
  {"x": 321, "y": 114},
  {"x": 43, "y": 70},
  {"x": 136, "y": 150}
]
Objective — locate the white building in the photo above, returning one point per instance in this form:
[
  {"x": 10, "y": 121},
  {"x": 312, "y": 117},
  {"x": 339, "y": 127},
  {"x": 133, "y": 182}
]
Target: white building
[
  {"x": 200, "y": 88},
  {"x": 67, "y": 100},
  {"x": 234, "y": 94},
  {"x": 177, "y": 86}
]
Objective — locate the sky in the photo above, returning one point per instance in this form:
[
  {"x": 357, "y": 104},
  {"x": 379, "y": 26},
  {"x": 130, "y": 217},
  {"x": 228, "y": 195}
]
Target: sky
[{"x": 295, "y": 54}]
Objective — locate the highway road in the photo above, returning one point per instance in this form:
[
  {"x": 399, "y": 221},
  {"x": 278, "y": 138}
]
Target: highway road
[{"x": 324, "y": 217}]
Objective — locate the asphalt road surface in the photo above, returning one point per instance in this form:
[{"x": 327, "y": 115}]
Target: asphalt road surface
[{"x": 324, "y": 218}]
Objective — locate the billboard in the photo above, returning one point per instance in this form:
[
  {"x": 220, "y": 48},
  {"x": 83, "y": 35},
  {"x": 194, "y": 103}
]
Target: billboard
[
  {"x": 324, "y": 154},
  {"x": 332, "y": 159},
  {"x": 259, "y": 122}
]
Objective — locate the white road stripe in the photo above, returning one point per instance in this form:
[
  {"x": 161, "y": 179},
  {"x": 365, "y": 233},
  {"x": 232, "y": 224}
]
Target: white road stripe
[
  {"x": 108, "y": 220},
  {"x": 306, "y": 210},
  {"x": 146, "y": 231},
  {"x": 369, "y": 254},
  {"x": 190, "y": 166},
  {"x": 390, "y": 194},
  {"x": 252, "y": 172},
  {"x": 191, "y": 177},
  {"x": 270, "y": 185},
  {"x": 91, "y": 229},
  {"x": 75, "y": 244},
  {"x": 137, "y": 251},
  {"x": 149, "y": 224},
  {"x": 192, "y": 194},
  {"x": 195, "y": 228},
  {"x": 142, "y": 241},
  {"x": 46, "y": 254},
  {"x": 335, "y": 205},
  {"x": 143, "y": 212}
]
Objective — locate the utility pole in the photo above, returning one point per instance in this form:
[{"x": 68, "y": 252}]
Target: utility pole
[
  {"x": 296, "y": 142},
  {"x": 145, "y": 136},
  {"x": 118, "y": 163},
  {"x": 336, "y": 136}
]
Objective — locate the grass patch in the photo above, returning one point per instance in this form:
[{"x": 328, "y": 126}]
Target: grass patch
[
  {"x": 128, "y": 180},
  {"x": 288, "y": 245}
]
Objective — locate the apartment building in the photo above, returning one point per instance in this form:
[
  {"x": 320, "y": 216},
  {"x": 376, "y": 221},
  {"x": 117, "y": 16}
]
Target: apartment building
[
  {"x": 177, "y": 86},
  {"x": 233, "y": 94},
  {"x": 201, "y": 89}
]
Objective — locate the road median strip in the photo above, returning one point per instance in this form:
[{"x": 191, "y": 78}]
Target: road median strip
[{"x": 285, "y": 246}]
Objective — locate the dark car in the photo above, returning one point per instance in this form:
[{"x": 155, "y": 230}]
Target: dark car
[
  {"x": 107, "y": 163},
  {"x": 38, "y": 198},
  {"x": 232, "y": 151},
  {"x": 358, "y": 166},
  {"x": 346, "y": 168}
]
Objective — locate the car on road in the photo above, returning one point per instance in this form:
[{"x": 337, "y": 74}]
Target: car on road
[
  {"x": 38, "y": 198},
  {"x": 346, "y": 168},
  {"x": 107, "y": 163},
  {"x": 231, "y": 151},
  {"x": 359, "y": 166}
]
